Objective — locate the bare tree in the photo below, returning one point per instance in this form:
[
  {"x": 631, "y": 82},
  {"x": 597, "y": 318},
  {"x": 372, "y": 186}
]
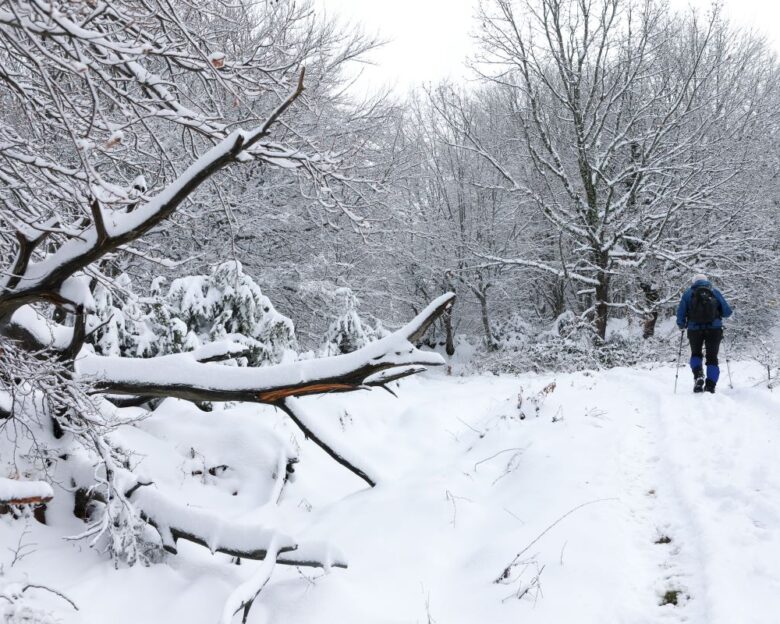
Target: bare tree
[
  {"x": 449, "y": 202},
  {"x": 633, "y": 121}
]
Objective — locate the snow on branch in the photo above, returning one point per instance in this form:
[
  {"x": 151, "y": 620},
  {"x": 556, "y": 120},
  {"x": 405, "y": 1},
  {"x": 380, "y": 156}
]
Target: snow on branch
[
  {"x": 175, "y": 521},
  {"x": 43, "y": 280},
  {"x": 182, "y": 376},
  {"x": 560, "y": 271},
  {"x": 245, "y": 594},
  {"x": 13, "y": 492},
  {"x": 194, "y": 377}
]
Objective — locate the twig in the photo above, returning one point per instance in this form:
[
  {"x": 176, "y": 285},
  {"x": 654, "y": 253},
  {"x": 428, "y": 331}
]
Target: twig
[
  {"x": 481, "y": 434},
  {"x": 505, "y": 573},
  {"x": 482, "y": 461},
  {"x": 19, "y": 552},
  {"x": 451, "y": 497},
  {"x": 50, "y": 590}
]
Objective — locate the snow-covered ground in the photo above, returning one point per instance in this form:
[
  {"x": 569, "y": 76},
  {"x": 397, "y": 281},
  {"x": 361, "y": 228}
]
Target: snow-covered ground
[{"x": 616, "y": 496}]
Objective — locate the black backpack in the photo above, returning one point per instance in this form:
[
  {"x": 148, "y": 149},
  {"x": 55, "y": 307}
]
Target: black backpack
[{"x": 704, "y": 307}]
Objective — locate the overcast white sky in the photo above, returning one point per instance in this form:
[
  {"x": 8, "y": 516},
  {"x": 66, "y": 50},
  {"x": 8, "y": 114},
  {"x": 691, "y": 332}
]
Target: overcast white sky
[{"x": 430, "y": 38}]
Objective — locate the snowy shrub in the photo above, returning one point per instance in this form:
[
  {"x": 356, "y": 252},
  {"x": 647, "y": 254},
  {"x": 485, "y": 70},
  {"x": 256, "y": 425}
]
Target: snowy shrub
[
  {"x": 512, "y": 333},
  {"x": 195, "y": 310},
  {"x": 349, "y": 332},
  {"x": 111, "y": 336},
  {"x": 229, "y": 304},
  {"x": 570, "y": 344}
]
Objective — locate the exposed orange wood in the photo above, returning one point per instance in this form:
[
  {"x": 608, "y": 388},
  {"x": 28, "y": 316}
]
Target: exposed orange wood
[
  {"x": 33, "y": 500},
  {"x": 277, "y": 395}
]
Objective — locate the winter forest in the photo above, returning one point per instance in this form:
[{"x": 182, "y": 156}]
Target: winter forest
[{"x": 274, "y": 349}]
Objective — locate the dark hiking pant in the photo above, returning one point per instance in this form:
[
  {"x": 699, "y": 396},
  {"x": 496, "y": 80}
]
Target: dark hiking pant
[{"x": 705, "y": 341}]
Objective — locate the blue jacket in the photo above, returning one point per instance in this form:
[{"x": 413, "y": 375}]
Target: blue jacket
[{"x": 685, "y": 302}]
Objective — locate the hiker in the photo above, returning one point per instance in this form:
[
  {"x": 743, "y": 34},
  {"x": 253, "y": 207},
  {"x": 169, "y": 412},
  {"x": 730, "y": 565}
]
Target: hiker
[{"x": 701, "y": 310}]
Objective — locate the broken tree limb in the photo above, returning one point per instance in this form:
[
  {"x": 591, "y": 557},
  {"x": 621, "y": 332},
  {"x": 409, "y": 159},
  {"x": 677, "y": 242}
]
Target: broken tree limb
[
  {"x": 189, "y": 376},
  {"x": 13, "y": 492},
  {"x": 293, "y": 408},
  {"x": 174, "y": 521},
  {"x": 182, "y": 376},
  {"x": 313, "y": 555}
]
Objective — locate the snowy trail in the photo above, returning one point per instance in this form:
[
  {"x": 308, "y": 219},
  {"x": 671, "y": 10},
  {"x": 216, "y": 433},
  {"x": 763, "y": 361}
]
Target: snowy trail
[
  {"x": 617, "y": 494},
  {"x": 723, "y": 453},
  {"x": 690, "y": 491}
]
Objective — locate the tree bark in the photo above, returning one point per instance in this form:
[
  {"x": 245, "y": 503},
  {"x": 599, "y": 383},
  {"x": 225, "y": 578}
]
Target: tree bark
[
  {"x": 651, "y": 316},
  {"x": 490, "y": 341},
  {"x": 449, "y": 341},
  {"x": 601, "y": 302}
]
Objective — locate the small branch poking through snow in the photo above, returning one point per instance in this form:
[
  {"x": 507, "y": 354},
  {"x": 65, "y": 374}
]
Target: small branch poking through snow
[
  {"x": 506, "y": 573},
  {"x": 51, "y": 591},
  {"x": 246, "y": 593}
]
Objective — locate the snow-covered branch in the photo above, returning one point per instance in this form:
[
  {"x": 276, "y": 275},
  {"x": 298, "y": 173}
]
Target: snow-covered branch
[
  {"x": 43, "y": 280},
  {"x": 245, "y": 594},
  {"x": 13, "y": 492},
  {"x": 174, "y": 521},
  {"x": 182, "y": 376}
]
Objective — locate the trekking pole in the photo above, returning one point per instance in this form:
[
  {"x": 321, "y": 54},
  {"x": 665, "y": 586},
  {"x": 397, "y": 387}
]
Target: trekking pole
[
  {"x": 679, "y": 355},
  {"x": 728, "y": 367}
]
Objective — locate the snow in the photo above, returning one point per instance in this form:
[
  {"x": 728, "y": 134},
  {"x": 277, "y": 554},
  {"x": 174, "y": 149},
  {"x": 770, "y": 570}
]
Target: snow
[
  {"x": 76, "y": 290},
  {"x": 613, "y": 463},
  {"x": 247, "y": 591},
  {"x": 218, "y": 533},
  {"x": 12, "y": 489},
  {"x": 43, "y": 330}
]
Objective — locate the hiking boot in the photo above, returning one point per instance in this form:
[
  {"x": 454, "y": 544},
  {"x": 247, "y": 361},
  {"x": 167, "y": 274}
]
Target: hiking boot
[
  {"x": 709, "y": 386},
  {"x": 698, "y": 385}
]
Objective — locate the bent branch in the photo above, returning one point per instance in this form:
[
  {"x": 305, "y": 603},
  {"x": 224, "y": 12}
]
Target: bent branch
[
  {"x": 182, "y": 376},
  {"x": 249, "y": 541}
]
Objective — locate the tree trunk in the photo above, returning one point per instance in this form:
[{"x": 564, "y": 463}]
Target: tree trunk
[
  {"x": 483, "y": 306},
  {"x": 651, "y": 316},
  {"x": 601, "y": 302},
  {"x": 450, "y": 339}
]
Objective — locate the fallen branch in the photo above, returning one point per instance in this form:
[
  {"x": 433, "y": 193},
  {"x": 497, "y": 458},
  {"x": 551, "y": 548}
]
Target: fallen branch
[
  {"x": 246, "y": 540},
  {"x": 182, "y": 376},
  {"x": 194, "y": 377},
  {"x": 13, "y": 492},
  {"x": 298, "y": 415}
]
